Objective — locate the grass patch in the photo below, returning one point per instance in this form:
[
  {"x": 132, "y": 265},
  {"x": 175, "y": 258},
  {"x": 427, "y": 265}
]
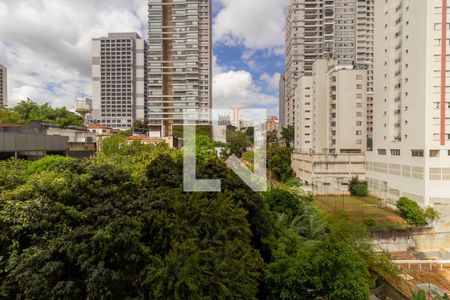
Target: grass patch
[{"x": 362, "y": 210}]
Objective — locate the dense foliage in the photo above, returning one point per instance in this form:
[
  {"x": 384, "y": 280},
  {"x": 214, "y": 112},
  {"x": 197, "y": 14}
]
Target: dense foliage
[
  {"x": 27, "y": 111},
  {"x": 119, "y": 226},
  {"x": 358, "y": 187},
  {"x": 288, "y": 136},
  {"x": 279, "y": 163},
  {"x": 414, "y": 214},
  {"x": 318, "y": 258}
]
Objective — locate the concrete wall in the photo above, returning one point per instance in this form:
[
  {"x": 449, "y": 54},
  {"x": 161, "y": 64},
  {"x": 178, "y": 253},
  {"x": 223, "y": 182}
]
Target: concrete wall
[
  {"x": 11, "y": 142},
  {"x": 432, "y": 241},
  {"x": 438, "y": 238}
]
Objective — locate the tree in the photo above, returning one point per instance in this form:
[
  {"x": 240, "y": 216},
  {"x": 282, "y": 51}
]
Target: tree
[
  {"x": 13, "y": 173},
  {"x": 238, "y": 142},
  {"x": 96, "y": 229},
  {"x": 141, "y": 126},
  {"x": 26, "y": 111},
  {"x": 279, "y": 163},
  {"x": 412, "y": 212},
  {"x": 358, "y": 187},
  {"x": 288, "y": 135},
  {"x": 272, "y": 138}
]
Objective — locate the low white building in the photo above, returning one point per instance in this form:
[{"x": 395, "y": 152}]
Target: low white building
[{"x": 74, "y": 135}]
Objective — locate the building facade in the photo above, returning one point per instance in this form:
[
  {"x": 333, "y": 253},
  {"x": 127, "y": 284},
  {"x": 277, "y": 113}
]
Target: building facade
[
  {"x": 281, "y": 100},
  {"x": 331, "y": 110},
  {"x": 179, "y": 63},
  {"x": 411, "y": 145},
  {"x": 3, "y": 86},
  {"x": 330, "y": 132},
  {"x": 341, "y": 30},
  {"x": 119, "y": 74},
  {"x": 83, "y": 106}
]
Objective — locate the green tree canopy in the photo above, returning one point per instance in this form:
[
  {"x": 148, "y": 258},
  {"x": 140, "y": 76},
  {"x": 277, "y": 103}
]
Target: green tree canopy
[
  {"x": 288, "y": 135},
  {"x": 26, "y": 111}
]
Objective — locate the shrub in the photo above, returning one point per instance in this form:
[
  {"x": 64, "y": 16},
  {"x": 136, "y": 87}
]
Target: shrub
[
  {"x": 47, "y": 163},
  {"x": 369, "y": 222},
  {"x": 412, "y": 212},
  {"x": 358, "y": 187},
  {"x": 293, "y": 182},
  {"x": 431, "y": 214}
]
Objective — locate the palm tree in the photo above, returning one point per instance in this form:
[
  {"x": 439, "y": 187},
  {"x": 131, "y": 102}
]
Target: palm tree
[{"x": 307, "y": 226}]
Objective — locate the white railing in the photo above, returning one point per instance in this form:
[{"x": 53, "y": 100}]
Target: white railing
[{"x": 430, "y": 263}]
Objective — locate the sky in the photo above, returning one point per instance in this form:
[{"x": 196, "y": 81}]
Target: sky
[{"x": 46, "y": 46}]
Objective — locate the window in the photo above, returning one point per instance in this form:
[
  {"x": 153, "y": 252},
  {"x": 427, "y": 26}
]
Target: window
[
  {"x": 417, "y": 153},
  {"x": 395, "y": 152},
  {"x": 435, "y": 153},
  {"x": 381, "y": 151}
]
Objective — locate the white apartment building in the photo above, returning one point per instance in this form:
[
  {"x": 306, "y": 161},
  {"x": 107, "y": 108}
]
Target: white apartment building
[
  {"x": 179, "y": 63},
  {"x": 331, "y": 132},
  {"x": 411, "y": 152},
  {"x": 235, "y": 117},
  {"x": 3, "y": 86},
  {"x": 83, "y": 106},
  {"x": 119, "y": 78},
  {"x": 341, "y": 30}
]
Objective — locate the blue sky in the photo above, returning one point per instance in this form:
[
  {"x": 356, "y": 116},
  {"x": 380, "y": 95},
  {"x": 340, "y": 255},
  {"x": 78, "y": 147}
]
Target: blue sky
[{"x": 46, "y": 45}]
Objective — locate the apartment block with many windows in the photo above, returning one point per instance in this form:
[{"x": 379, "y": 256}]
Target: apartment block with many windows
[
  {"x": 331, "y": 131},
  {"x": 119, "y": 75},
  {"x": 341, "y": 30},
  {"x": 179, "y": 63},
  {"x": 3, "y": 86},
  {"x": 411, "y": 146}
]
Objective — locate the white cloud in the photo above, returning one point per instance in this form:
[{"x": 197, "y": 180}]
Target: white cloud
[
  {"x": 256, "y": 24},
  {"x": 273, "y": 82},
  {"x": 46, "y": 44},
  {"x": 238, "y": 89}
]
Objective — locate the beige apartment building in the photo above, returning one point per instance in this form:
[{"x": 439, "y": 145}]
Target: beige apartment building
[
  {"x": 411, "y": 145},
  {"x": 3, "y": 86},
  {"x": 331, "y": 132},
  {"x": 119, "y": 76},
  {"x": 179, "y": 63},
  {"x": 341, "y": 30},
  {"x": 281, "y": 101}
]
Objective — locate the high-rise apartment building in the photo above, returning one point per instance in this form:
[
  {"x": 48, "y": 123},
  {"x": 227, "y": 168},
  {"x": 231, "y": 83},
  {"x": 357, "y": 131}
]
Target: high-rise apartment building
[
  {"x": 179, "y": 63},
  {"x": 330, "y": 126},
  {"x": 331, "y": 110},
  {"x": 3, "y": 86},
  {"x": 411, "y": 145},
  {"x": 119, "y": 74},
  {"x": 281, "y": 100},
  {"x": 341, "y": 30}
]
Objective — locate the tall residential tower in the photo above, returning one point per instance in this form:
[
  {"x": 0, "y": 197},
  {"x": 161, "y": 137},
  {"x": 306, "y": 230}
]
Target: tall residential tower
[
  {"x": 119, "y": 74},
  {"x": 3, "y": 86},
  {"x": 341, "y": 30},
  {"x": 179, "y": 63},
  {"x": 411, "y": 147}
]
